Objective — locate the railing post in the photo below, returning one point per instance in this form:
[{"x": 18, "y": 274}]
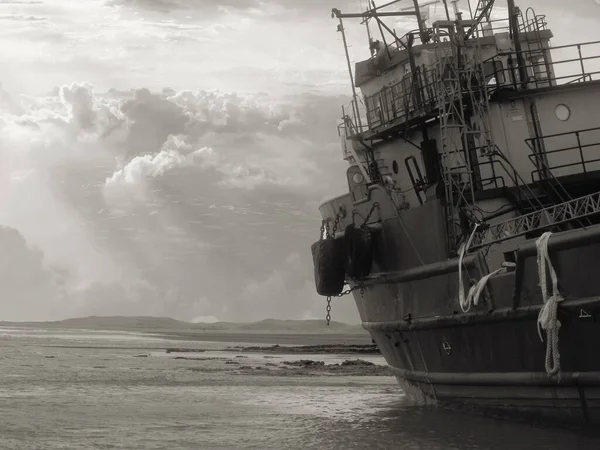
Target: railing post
[
  {"x": 581, "y": 61},
  {"x": 580, "y": 151}
]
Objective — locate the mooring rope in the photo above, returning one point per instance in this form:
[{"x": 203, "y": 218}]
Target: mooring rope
[{"x": 548, "y": 317}]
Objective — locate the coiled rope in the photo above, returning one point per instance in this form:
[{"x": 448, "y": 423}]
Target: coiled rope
[{"x": 548, "y": 317}]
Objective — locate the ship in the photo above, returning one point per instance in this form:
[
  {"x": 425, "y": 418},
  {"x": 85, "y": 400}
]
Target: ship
[{"x": 468, "y": 232}]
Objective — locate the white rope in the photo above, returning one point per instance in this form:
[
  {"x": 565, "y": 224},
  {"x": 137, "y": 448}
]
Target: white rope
[
  {"x": 464, "y": 248},
  {"x": 476, "y": 290},
  {"x": 472, "y": 298},
  {"x": 548, "y": 317}
]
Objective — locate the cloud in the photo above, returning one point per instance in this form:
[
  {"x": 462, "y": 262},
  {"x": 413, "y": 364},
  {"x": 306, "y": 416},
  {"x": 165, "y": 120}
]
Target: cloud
[
  {"x": 187, "y": 204},
  {"x": 205, "y": 319},
  {"x": 28, "y": 288},
  {"x": 21, "y": 18},
  {"x": 168, "y": 6}
]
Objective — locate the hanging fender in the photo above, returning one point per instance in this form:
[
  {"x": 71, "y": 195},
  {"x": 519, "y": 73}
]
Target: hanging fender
[
  {"x": 357, "y": 251},
  {"x": 328, "y": 266}
]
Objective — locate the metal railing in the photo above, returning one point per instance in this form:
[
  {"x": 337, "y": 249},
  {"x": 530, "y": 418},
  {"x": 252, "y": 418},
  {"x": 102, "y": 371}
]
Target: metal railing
[
  {"x": 400, "y": 102},
  {"x": 542, "y": 219},
  {"x": 354, "y": 119},
  {"x": 582, "y": 153},
  {"x": 536, "y": 24},
  {"x": 416, "y": 95},
  {"x": 580, "y": 63}
]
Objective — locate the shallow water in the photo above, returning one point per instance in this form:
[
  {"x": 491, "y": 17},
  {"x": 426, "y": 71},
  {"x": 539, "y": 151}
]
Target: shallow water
[{"x": 54, "y": 394}]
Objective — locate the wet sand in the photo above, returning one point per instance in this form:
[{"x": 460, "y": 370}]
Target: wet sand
[{"x": 273, "y": 360}]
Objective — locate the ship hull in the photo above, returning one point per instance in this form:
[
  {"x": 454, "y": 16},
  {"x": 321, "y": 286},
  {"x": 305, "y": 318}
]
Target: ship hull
[
  {"x": 518, "y": 388},
  {"x": 493, "y": 358},
  {"x": 523, "y": 398}
]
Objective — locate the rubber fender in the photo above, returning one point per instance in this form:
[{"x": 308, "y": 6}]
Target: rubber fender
[
  {"x": 329, "y": 268},
  {"x": 358, "y": 251}
]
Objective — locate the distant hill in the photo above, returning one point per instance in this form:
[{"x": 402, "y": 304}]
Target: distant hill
[{"x": 144, "y": 323}]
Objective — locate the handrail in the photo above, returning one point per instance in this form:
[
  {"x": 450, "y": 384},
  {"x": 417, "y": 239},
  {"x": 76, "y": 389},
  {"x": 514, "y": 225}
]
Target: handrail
[
  {"x": 394, "y": 104},
  {"x": 397, "y": 101},
  {"x": 539, "y": 157}
]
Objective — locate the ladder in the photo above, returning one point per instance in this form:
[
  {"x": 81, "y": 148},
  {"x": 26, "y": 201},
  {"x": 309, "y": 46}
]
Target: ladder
[
  {"x": 464, "y": 128},
  {"x": 484, "y": 9}
]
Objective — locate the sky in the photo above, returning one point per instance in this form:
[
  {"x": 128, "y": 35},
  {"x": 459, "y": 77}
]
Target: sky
[{"x": 167, "y": 157}]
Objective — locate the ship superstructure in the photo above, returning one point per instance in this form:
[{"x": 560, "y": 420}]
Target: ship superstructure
[{"x": 470, "y": 228}]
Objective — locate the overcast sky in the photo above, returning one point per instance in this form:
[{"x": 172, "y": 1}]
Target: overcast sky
[{"x": 167, "y": 157}]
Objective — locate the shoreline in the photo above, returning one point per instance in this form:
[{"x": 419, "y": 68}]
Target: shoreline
[{"x": 292, "y": 339}]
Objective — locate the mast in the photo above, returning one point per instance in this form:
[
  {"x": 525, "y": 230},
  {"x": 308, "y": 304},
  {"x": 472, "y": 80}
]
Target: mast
[
  {"x": 513, "y": 17},
  {"x": 422, "y": 30},
  {"x": 354, "y": 96}
]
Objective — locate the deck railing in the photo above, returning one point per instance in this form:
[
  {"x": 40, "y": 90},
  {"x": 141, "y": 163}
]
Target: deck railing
[
  {"x": 400, "y": 102},
  {"x": 549, "y": 66},
  {"x": 566, "y": 153}
]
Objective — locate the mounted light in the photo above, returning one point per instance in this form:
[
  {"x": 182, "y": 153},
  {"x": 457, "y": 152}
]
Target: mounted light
[{"x": 358, "y": 178}]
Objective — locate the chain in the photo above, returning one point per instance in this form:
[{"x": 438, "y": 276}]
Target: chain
[
  {"x": 360, "y": 287},
  {"x": 325, "y": 228},
  {"x": 335, "y": 225},
  {"x": 375, "y": 205},
  {"x": 329, "y": 233},
  {"x": 355, "y": 213}
]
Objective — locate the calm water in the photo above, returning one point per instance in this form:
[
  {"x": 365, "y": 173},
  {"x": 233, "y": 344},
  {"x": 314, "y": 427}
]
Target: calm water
[{"x": 56, "y": 395}]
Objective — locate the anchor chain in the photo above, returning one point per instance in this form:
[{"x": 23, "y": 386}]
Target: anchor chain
[
  {"x": 348, "y": 291},
  {"x": 369, "y": 214},
  {"x": 331, "y": 235}
]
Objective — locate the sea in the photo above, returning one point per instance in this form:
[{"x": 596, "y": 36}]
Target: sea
[{"x": 84, "y": 389}]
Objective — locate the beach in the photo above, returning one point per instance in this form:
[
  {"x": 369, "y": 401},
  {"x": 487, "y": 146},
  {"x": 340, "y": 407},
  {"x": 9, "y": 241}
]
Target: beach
[{"x": 101, "y": 389}]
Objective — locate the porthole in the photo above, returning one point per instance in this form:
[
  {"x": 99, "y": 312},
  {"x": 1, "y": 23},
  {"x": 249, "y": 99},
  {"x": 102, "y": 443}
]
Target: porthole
[
  {"x": 563, "y": 113},
  {"x": 395, "y": 167},
  {"x": 358, "y": 178}
]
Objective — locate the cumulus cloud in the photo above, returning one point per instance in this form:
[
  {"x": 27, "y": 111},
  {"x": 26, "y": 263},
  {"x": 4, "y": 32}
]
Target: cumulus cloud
[
  {"x": 29, "y": 288},
  {"x": 189, "y": 204}
]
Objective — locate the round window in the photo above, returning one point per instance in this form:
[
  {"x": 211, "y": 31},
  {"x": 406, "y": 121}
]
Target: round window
[
  {"x": 358, "y": 178},
  {"x": 395, "y": 167},
  {"x": 562, "y": 112}
]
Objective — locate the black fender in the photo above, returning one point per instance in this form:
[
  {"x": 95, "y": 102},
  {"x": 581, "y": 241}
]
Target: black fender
[
  {"x": 358, "y": 251},
  {"x": 328, "y": 266}
]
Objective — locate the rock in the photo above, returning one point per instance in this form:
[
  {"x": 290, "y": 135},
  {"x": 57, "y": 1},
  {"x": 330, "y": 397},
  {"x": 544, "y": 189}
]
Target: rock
[
  {"x": 304, "y": 363},
  {"x": 185, "y": 350},
  {"x": 357, "y": 362},
  {"x": 191, "y": 359},
  {"x": 330, "y": 348}
]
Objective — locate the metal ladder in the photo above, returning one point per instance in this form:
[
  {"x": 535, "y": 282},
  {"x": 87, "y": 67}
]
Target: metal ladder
[{"x": 463, "y": 104}]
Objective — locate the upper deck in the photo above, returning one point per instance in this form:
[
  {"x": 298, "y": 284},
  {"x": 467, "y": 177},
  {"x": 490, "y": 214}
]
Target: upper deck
[{"x": 399, "y": 85}]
